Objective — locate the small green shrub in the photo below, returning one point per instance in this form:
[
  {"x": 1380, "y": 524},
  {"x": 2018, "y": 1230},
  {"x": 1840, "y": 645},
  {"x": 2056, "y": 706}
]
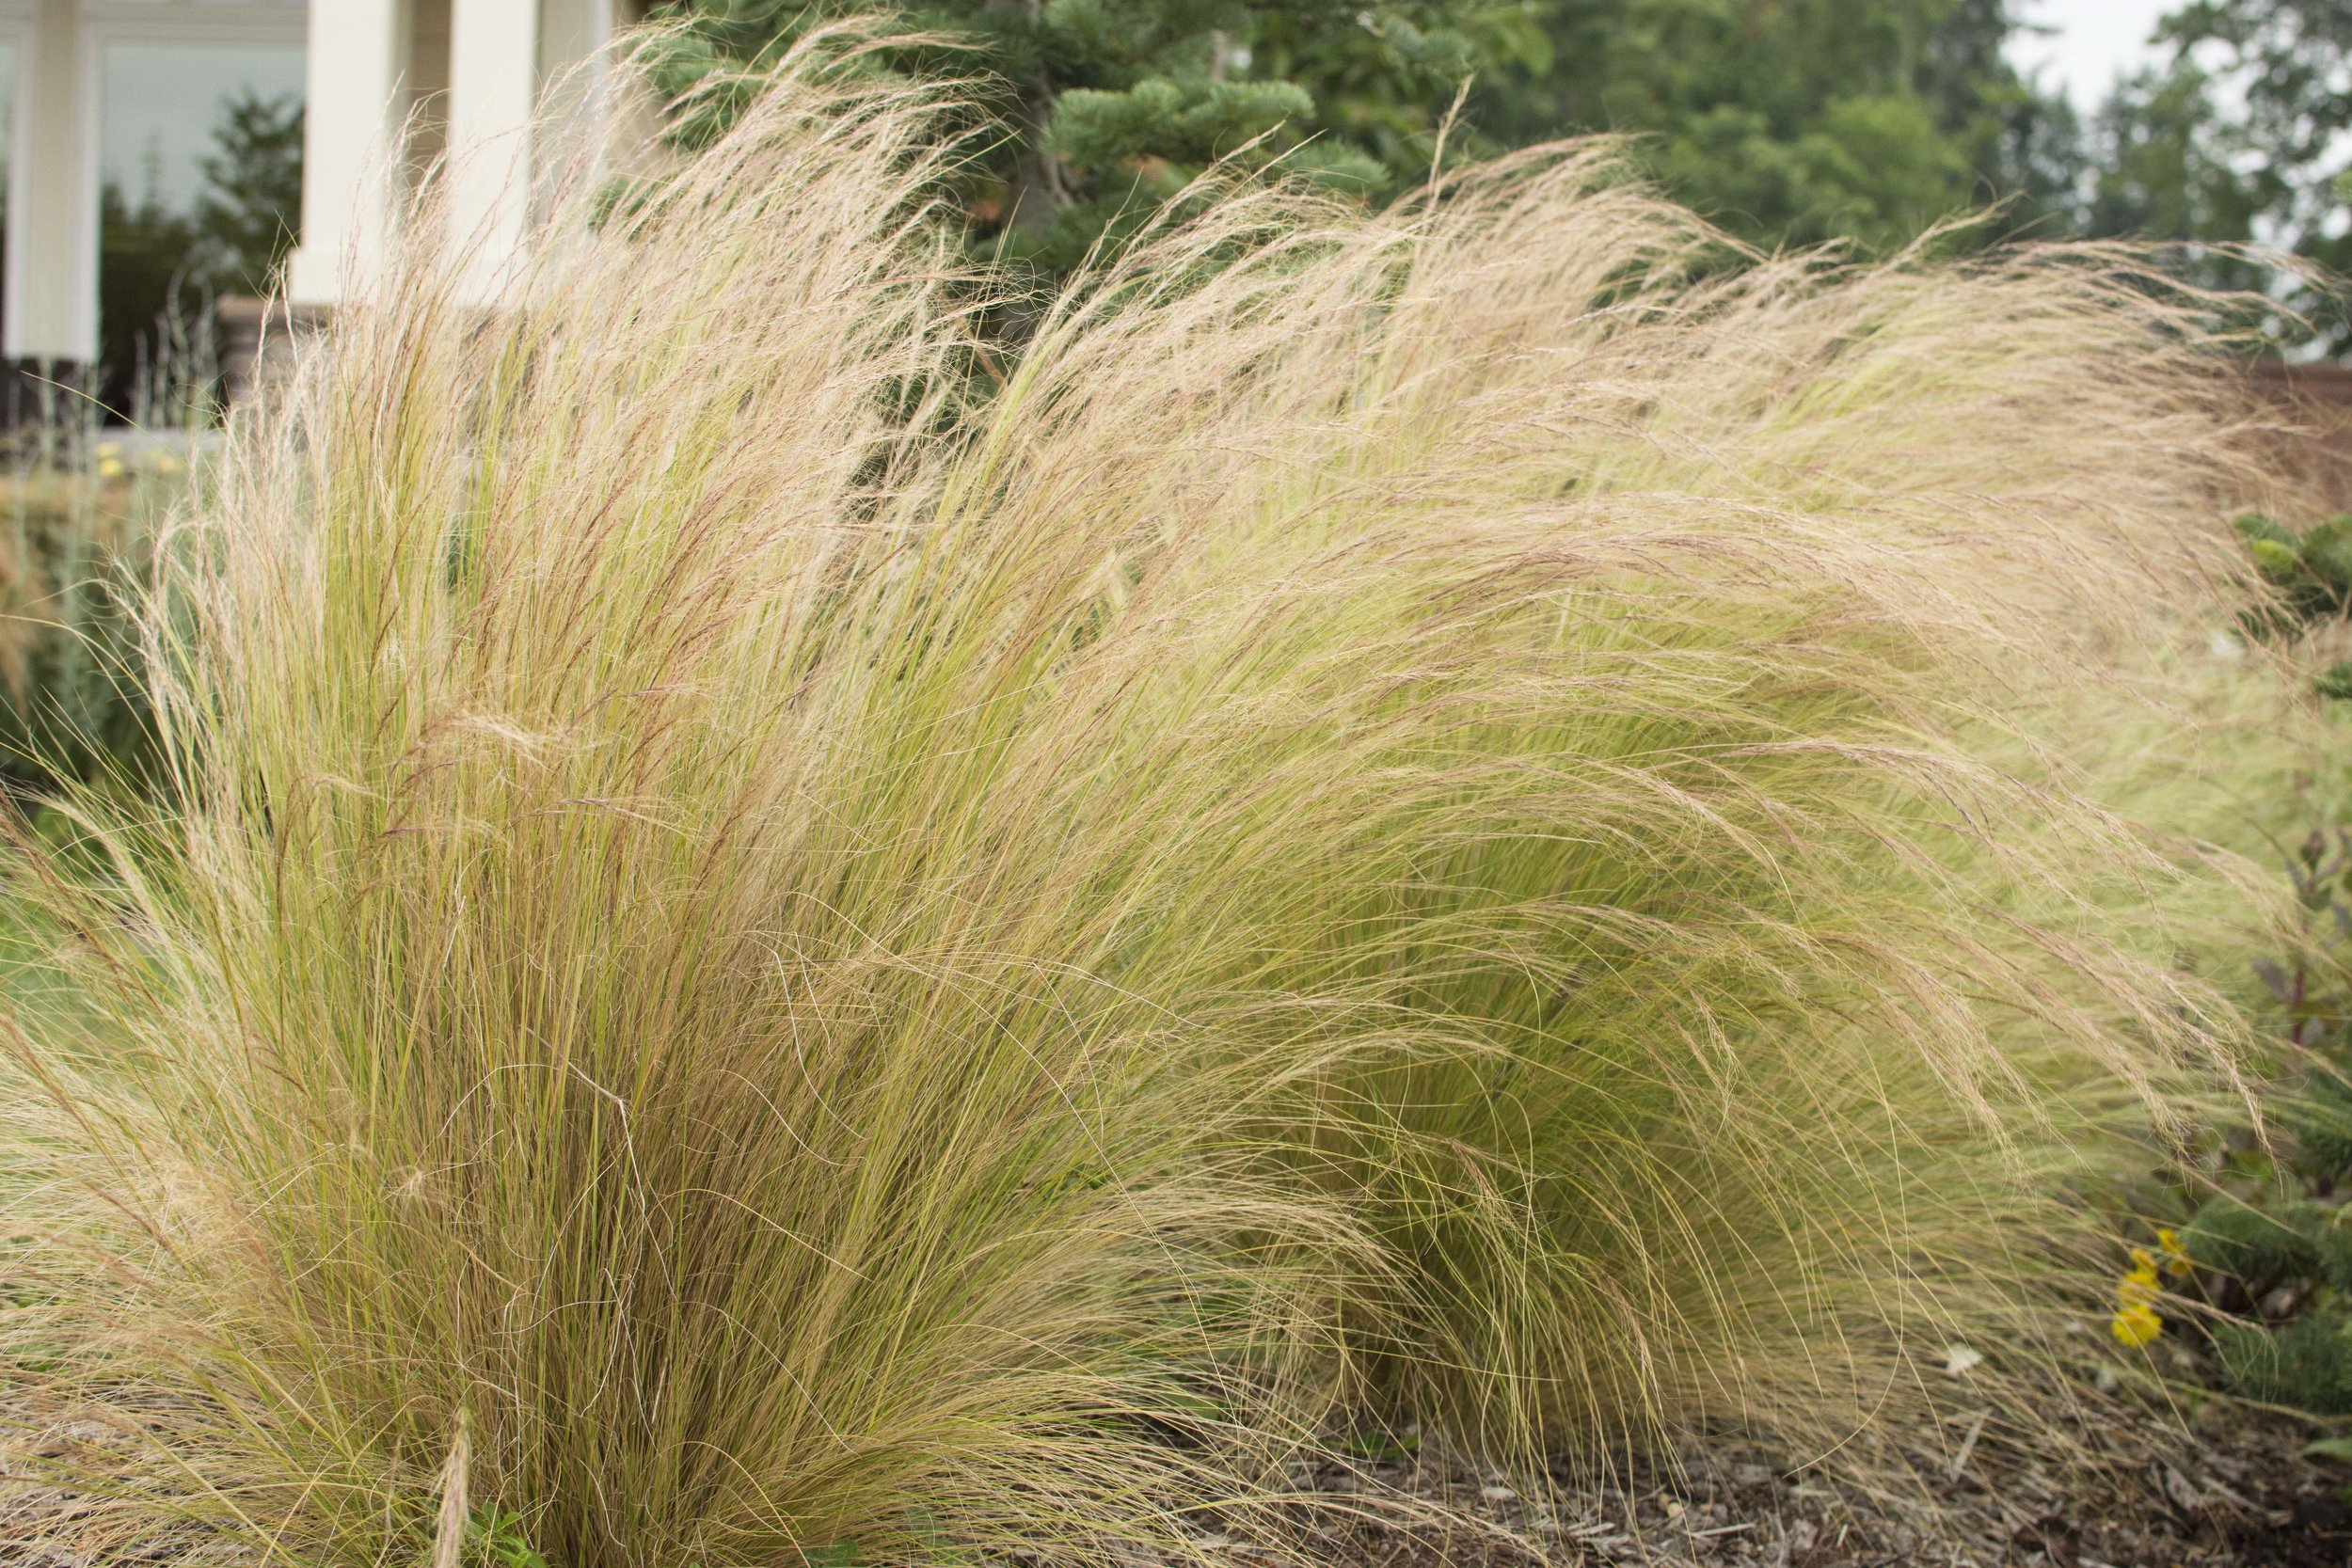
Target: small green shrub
[
  {"x": 2310, "y": 576},
  {"x": 496, "y": 1538},
  {"x": 2310, "y": 570},
  {"x": 76, "y": 556},
  {"x": 2271, "y": 1232},
  {"x": 2307, "y": 1364},
  {"x": 2235, "y": 1238}
]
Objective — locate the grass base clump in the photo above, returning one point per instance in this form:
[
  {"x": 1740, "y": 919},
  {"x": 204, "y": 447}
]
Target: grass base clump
[{"x": 767, "y": 945}]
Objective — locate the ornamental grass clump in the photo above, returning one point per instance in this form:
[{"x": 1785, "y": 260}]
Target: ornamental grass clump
[{"x": 781, "y": 936}]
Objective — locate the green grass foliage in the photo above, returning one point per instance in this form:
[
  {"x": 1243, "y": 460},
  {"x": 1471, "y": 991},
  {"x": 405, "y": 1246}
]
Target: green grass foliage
[{"x": 775, "y": 944}]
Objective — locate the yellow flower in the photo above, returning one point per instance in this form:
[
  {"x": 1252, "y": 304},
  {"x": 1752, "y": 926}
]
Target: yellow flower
[
  {"x": 2176, "y": 1260},
  {"x": 2139, "y": 1288},
  {"x": 105, "y": 450},
  {"x": 110, "y": 467},
  {"x": 166, "y": 464},
  {"x": 2135, "y": 1325}
]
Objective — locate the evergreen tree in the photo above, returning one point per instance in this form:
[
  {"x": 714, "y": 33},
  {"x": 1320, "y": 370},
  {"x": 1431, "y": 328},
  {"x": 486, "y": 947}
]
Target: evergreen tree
[
  {"x": 250, "y": 209},
  {"x": 1787, "y": 121},
  {"x": 161, "y": 266},
  {"x": 145, "y": 292},
  {"x": 1113, "y": 105}
]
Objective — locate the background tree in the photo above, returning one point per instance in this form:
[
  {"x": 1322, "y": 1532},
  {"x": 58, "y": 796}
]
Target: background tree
[
  {"x": 2240, "y": 135},
  {"x": 147, "y": 295},
  {"x": 250, "y": 209},
  {"x": 1805, "y": 119},
  {"x": 1789, "y": 120},
  {"x": 1111, "y": 105},
  {"x": 161, "y": 266}
]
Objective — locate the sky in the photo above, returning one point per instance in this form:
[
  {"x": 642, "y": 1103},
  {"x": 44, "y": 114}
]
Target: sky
[{"x": 2095, "y": 41}]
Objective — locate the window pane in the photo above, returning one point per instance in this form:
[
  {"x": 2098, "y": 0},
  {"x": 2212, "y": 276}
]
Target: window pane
[
  {"x": 199, "y": 167},
  {"x": 163, "y": 111}
]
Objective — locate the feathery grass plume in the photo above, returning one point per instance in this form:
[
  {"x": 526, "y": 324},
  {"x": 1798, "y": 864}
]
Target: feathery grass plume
[
  {"x": 1441, "y": 815},
  {"x": 1642, "y": 646},
  {"x": 538, "y": 1018}
]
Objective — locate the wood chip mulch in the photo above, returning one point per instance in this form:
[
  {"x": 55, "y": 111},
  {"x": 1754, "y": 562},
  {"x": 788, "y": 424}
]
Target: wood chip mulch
[{"x": 2237, "y": 1493}]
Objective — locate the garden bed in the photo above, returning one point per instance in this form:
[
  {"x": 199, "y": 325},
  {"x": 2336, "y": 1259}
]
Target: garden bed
[{"x": 2235, "y": 1493}]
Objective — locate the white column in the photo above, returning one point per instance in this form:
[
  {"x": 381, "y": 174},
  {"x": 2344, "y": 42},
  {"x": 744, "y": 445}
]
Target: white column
[
  {"x": 351, "y": 90},
  {"x": 569, "y": 32},
  {"x": 492, "y": 88},
  {"x": 51, "y": 302}
]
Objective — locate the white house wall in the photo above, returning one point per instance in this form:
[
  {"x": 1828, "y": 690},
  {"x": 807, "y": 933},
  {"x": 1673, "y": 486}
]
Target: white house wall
[
  {"x": 51, "y": 305},
  {"x": 49, "y": 296},
  {"x": 351, "y": 96},
  {"x": 502, "y": 53},
  {"x": 493, "y": 90}
]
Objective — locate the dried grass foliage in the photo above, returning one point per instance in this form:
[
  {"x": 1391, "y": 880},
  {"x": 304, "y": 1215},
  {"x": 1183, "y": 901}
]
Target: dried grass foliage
[{"x": 1453, "y": 816}]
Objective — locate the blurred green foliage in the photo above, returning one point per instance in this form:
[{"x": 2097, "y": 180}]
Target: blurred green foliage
[
  {"x": 2271, "y": 1234},
  {"x": 1792, "y": 122},
  {"x": 2266, "y": 1243},
  {"x": 2237, "y": 135},
  {"x": 160, "y": 268},
  {"x": 1819, "y": 119},
  {"x": 1787, "y": 121},
  {"x": 75, "y": 545},
  {"x": 1102, "y": 109},
  {"x": 2308, "y": 571}
]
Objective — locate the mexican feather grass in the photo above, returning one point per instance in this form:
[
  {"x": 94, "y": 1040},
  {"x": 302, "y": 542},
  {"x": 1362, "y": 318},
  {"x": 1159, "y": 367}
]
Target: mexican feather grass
[{"x": 782, "y": 938}]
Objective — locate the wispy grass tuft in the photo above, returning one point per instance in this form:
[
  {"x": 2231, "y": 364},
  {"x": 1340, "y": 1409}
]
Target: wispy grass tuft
[{"x": 769, "y": 944}]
